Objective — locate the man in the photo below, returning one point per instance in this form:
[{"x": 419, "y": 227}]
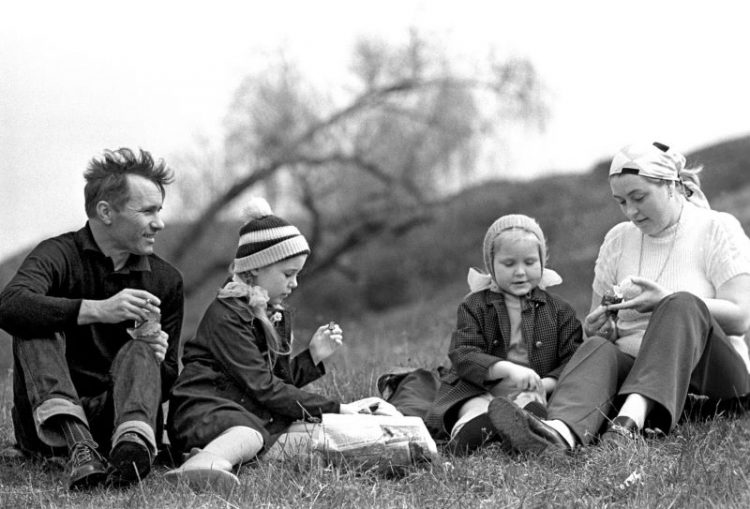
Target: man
[{"x": 85, "y": 382}]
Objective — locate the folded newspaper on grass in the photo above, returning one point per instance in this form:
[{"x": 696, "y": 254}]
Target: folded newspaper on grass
[{"x": 374, "y": 441}]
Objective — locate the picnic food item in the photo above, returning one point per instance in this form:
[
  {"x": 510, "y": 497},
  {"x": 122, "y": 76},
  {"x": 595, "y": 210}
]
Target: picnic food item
[
  {"x": 627, "y": 289},
  {"x": 147, "y": 328},
  {"x": 611, "y": 297}
]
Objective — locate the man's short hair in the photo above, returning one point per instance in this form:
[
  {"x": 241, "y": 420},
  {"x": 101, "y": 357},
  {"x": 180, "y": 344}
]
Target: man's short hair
[{"x": 106, "y": 176}]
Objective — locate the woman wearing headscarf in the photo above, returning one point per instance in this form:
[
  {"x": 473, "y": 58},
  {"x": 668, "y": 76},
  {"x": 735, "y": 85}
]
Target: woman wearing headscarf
[{"x": 681, "y": 274}]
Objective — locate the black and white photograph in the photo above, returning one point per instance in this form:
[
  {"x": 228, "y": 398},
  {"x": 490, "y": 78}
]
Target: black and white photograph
[{"x": 395, "y": 254}]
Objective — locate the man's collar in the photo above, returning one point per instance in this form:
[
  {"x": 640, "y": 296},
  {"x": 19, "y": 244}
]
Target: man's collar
[{"x": 86, "y": 240}]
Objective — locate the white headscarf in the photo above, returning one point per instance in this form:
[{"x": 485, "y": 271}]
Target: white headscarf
[{"x": 659, "y": 161}]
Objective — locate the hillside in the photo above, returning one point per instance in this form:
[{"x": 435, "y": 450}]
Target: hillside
[{"x": 430, "y": 264}]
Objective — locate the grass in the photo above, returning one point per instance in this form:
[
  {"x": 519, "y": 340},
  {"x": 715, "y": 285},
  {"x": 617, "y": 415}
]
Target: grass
[{"x": 702, "y": 464}]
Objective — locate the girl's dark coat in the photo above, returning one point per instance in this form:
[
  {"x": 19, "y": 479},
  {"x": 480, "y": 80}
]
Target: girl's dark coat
[
  {"x": 230, "y": 379},
  {"x": 550, "y": 331}
]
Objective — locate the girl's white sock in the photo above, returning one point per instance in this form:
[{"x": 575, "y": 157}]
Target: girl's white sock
[{"x": 238, "y": 444}]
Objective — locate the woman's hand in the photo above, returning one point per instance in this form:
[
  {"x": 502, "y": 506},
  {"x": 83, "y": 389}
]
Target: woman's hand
[
  {"x": 598, "y": 323},
  {"x": 326, "y": 340},
  {"x": 651, "y": 294}
]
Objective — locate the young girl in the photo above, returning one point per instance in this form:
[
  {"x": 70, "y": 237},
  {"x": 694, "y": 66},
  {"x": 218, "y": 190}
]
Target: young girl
[
  {"x": 239, "y": 388},
  {"x": 512, "y": 338}
]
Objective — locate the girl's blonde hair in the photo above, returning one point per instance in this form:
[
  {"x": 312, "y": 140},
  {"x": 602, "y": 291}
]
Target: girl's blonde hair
[{"x": 259, "y": 310}]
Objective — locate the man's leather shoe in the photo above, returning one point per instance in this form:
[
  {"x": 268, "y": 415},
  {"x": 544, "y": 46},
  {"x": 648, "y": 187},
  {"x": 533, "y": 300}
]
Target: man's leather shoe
[
  {"x": 522, "y": 430},
  {"x": 130, "y": 458},
  {"x": 86, "y": 467}
]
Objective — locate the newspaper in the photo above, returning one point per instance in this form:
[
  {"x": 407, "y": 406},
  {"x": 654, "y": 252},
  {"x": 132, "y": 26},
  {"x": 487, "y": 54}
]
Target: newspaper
[{"x": 374, "y": 441}]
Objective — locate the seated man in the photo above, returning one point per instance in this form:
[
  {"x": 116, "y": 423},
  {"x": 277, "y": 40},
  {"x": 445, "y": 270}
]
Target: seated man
[{"x": 84, "y": 374}]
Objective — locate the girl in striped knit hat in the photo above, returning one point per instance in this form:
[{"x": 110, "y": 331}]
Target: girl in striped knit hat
[{"x": 239, "y": 391}]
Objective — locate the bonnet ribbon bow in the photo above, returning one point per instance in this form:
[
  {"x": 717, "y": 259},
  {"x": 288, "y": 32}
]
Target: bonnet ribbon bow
[{"x": 479, "y": 280}]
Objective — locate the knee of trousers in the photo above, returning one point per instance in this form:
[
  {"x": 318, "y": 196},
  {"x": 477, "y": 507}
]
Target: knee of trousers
[
  {"x": 599, "y": 347},
  {"x": 134, "y": 351},
  {"x": 683, "y": 302},
  {"x": 594, "y": 353}
]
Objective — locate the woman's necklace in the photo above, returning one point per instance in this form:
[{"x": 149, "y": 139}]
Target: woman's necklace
[{"x": 669, "y": 253}]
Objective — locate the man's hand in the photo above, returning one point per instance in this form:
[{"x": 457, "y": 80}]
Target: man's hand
[
  {"x": 127, "y": 304},
  {"x": 158, "y": 344}
]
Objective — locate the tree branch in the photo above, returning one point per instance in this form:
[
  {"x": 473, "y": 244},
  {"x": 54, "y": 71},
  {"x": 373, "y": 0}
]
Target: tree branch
[{"x": 260, "y": 173}]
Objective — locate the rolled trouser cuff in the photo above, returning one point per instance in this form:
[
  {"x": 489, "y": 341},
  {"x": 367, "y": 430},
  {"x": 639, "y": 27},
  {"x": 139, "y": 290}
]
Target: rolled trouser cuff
[
  {"x": 54, "y": 407},
  {"x": 141, "y": 428}
]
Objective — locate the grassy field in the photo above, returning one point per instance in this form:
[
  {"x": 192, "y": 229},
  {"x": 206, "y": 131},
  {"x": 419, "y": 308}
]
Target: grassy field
[{"x": 703, "y": 464}]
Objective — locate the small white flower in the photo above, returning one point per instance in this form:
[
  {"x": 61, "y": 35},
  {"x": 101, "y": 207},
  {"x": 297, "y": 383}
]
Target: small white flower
[{"x": 276, "y": 317}]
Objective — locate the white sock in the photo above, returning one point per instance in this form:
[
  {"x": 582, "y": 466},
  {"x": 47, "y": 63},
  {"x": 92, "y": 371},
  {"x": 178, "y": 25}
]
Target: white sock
[
  {"x": 636, "y": 407},
  {"x": 238, "y": 444},
  {"x": 564, "y": 431}
]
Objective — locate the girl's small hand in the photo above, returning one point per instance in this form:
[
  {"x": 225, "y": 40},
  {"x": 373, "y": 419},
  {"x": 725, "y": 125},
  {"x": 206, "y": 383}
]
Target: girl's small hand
[
  {"x": 376, "y": 406},
  {"x": 651, "y": 294},
  {"x": 524, "y": 378},
  {"x": 326, "y": 340}
]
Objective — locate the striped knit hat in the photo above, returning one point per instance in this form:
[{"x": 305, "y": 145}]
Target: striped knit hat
[{"x": 266, "y": 238}]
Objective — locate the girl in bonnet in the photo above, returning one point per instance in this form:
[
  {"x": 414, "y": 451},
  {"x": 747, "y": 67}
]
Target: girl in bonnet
[
  {"x": 679, "y": 327},
  {"x": 239, "y": 391},
  {"x": 512, "y": 337}
]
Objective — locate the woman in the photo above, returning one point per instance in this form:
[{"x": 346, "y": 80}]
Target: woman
[{"x": 679, "y": 328}]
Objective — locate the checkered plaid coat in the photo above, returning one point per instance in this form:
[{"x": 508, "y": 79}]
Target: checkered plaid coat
[{"x": 550, "y": 330}]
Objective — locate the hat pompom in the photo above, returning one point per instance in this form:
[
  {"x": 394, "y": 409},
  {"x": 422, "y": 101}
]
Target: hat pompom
[{"x": 256, "y": 208}]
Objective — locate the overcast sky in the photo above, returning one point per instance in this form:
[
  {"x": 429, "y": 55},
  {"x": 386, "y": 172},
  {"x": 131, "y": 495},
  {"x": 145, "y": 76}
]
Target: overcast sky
[{"x": 80, "y": 76}]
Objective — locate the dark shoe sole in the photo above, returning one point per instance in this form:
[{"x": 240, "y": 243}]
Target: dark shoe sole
[
  {"x": 88, "y": 481},
  {"x": 512, "y": 424},
  {"x": 130, "y": 462}
]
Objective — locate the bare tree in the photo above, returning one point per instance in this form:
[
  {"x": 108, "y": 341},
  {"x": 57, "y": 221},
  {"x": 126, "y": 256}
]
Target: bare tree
[{"x": 370, "y": 162}]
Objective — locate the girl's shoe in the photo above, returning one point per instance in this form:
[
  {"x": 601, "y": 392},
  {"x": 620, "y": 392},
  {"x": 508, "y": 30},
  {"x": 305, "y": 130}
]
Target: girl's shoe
[
  {"x": 621, "y": 431},
  {"x": 472, "y": 435},
  {"x": 205, "y": 472},
  {"x": 523, "y": 431}
]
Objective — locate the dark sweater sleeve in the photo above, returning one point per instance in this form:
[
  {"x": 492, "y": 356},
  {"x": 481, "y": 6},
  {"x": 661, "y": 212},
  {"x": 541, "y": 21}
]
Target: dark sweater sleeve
[
  {"x": 304, "y": 369},
  {"x": 236, "y": 349},
  {"x": 28, "y": 307}
]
